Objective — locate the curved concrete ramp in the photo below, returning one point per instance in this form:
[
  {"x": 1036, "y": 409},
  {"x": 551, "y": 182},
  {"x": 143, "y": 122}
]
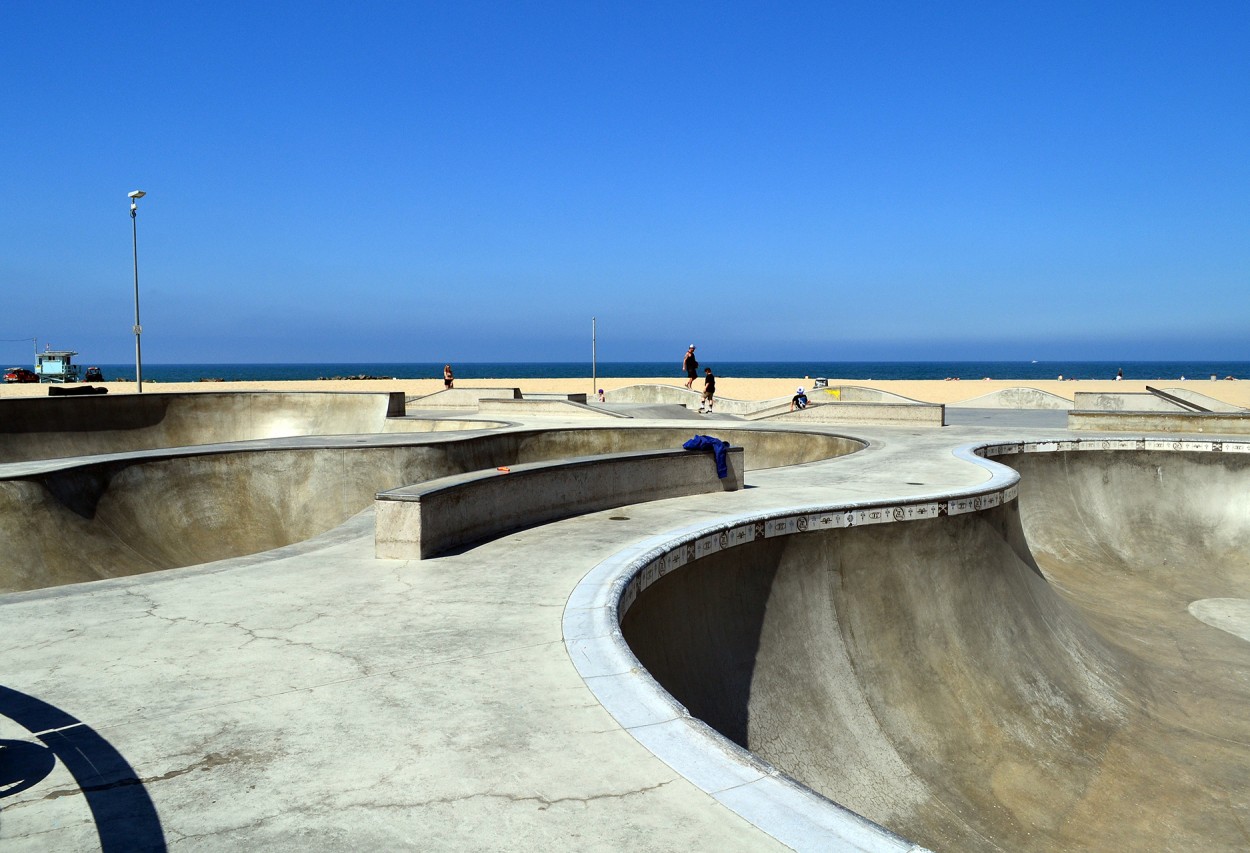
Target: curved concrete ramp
[
  {"x": 464, "y": 398},
  {"x": 670, "y": 396},
  {"x": 939, "y": 679},
  {"x": 656, "y": 411},
  {"x": 1015, "y": 398},
  {"x": 56, "y": 427},
  {"x": 82, "y": 521},
  {"x": 854, "y": 394},
  {"x": 1140, "y": 401}
]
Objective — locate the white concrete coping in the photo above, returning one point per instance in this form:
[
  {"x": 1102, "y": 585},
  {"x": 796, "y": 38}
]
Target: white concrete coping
[{"x": 423, "y": 520}]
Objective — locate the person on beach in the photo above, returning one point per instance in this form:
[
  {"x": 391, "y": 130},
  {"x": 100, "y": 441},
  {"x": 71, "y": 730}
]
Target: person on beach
[
  {"x": 799, "y": 400},
  {"x": 602, "y": 397},
  {"x": 448, "y": 376},
  {"x": 691, "y": 366},
  {"x": 709, "y": 391},
  {"x": 1119, "y": 375}
]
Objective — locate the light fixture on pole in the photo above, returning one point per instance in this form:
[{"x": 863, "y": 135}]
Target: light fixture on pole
[{"x": 134, "y": 235}]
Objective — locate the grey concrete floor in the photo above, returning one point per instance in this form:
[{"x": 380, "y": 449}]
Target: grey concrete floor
[{"x": 314, "y": 697}]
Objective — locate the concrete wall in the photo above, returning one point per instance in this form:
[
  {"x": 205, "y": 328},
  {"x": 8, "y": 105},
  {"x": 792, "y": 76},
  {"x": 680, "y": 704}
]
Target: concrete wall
[
  {"x": 1101, "y": 401},
  {"x": 422, "y": 521},
  {"x": 889, "y": 414},
  {"x": 1214, "y": 423},
  {"x": 553, "y": 407},
  {"x": 853, "y": 394},
  {"x": 80, "y": 520},
  {"x": 464, "y": 398},
  {"x": 1145, "y": 402},
  {"x": 1016, "y": 398},
  {"x": 659, "y": 395},
  {"x": 906, "y": 670},
  {"x": 54, "y": 427},
  {"x": 437, "y": 424},
  {"x": 545, "y": 395}
]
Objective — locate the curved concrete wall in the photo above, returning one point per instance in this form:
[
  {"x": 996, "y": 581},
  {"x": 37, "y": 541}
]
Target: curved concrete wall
[
  {"x": 79, "y": 521},
  {"x": 657, "y": 395},
  {"x": 56, "y": 427},
  {"x": 416, "y": 522},
  {"x": 941, "y": 680},
  {"x": 1016, "y": 398}
]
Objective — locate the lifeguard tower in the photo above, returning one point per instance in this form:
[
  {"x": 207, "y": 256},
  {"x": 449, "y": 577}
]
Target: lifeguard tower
[{"x": 56, "y": 366}]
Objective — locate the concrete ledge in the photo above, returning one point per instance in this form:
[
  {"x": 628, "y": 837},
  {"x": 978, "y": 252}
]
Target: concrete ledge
[
  {"x": 549, "y": 406},
  {"x": 1136, "y": 401},
  {"x": 1219, "y": 423},
  {"x": 888, "y": 414},
  {"x": 1101, "y": 401},
  {"x": 422, "y": 521},
  {"x": 542, "y": 395},
  {"x": 465, "y": 398}
]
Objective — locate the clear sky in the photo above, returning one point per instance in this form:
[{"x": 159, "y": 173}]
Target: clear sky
[{"x": 473, "y": 181}]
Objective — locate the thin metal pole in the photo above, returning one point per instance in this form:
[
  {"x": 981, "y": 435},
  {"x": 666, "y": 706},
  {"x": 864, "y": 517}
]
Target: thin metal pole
[
  {"x": 134, "y": 233},
  {"x": 594, "y": 364}
]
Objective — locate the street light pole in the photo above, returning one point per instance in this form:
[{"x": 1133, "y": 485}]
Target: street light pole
[{"x": 134, "y": 235}]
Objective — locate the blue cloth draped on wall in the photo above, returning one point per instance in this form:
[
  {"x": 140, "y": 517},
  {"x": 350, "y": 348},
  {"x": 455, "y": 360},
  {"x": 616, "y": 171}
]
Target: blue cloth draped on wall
[{"x": 707, "y": 442}]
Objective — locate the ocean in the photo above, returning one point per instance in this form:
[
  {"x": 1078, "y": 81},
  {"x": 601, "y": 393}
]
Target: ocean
[{"x": 1023, "y": 370}]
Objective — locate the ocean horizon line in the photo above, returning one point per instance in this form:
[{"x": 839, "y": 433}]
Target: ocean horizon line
[{"x": 843, "y": 370}]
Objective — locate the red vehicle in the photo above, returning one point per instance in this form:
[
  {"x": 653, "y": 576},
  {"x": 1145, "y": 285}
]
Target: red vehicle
[{"x": 20, "y": 374}]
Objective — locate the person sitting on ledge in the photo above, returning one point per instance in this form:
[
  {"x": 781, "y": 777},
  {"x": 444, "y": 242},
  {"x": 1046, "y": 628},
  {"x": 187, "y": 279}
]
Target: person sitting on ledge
[{"x": 799, "y": 400}]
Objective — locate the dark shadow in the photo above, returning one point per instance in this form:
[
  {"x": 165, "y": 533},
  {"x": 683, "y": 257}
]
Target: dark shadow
[
  {"x": 124, "y": 814},
  {"x": 697, "y": 631},
  {"x": 23, "y": 765}
]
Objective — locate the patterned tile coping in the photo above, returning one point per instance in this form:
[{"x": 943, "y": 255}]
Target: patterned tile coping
[{"x": 759, "y": 792}]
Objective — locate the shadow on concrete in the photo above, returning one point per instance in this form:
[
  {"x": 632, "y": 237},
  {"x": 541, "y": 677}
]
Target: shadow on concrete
[{"x": 124, "y": 814}]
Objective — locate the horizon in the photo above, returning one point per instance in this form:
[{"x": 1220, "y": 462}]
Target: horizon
[
  {"x": 147, "y": 364},
  {"x": 889, "y": 182}
]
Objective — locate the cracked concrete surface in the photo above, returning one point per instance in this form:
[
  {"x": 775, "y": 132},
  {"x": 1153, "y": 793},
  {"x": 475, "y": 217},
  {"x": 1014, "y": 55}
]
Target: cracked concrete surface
[{"x": 315, "y": 697}]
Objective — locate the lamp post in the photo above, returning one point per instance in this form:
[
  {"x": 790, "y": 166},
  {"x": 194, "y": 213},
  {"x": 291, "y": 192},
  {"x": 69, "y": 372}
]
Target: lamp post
[{"x": 134, "y": 235}]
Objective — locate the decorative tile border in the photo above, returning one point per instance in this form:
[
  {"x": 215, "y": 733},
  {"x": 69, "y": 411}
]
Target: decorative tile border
[
  {"x": 1182, "y": 445},
  {"x": 679, "y": 552}
]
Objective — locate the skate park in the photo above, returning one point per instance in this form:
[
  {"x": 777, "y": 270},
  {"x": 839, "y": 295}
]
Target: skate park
[{"x": 998, "y": 626}]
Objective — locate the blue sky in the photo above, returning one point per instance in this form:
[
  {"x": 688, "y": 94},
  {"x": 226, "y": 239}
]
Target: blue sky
[{"x": 473, "y": 181}]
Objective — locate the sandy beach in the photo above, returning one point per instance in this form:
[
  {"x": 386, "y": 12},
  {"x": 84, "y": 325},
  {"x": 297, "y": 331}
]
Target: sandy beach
[{"x": 931, "y": 391}]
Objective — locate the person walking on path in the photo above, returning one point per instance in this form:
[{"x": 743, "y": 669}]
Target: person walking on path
[
  {"x": 709, "y": 391},
  {"x": 691, "y": 366},
  {"x": 448, "y": 376}
]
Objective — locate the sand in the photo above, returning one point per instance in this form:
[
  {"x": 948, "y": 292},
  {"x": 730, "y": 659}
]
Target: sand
[{"x": 931, "y": 391}]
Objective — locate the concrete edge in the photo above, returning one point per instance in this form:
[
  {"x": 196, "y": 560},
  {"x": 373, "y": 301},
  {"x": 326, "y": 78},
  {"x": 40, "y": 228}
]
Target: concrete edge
[
  {"x": 1227, "y": 423},
  {"x": 758, "y": 792},
  {"x": 424, "y": 520},
  {"x": 862, "y": 414}
]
